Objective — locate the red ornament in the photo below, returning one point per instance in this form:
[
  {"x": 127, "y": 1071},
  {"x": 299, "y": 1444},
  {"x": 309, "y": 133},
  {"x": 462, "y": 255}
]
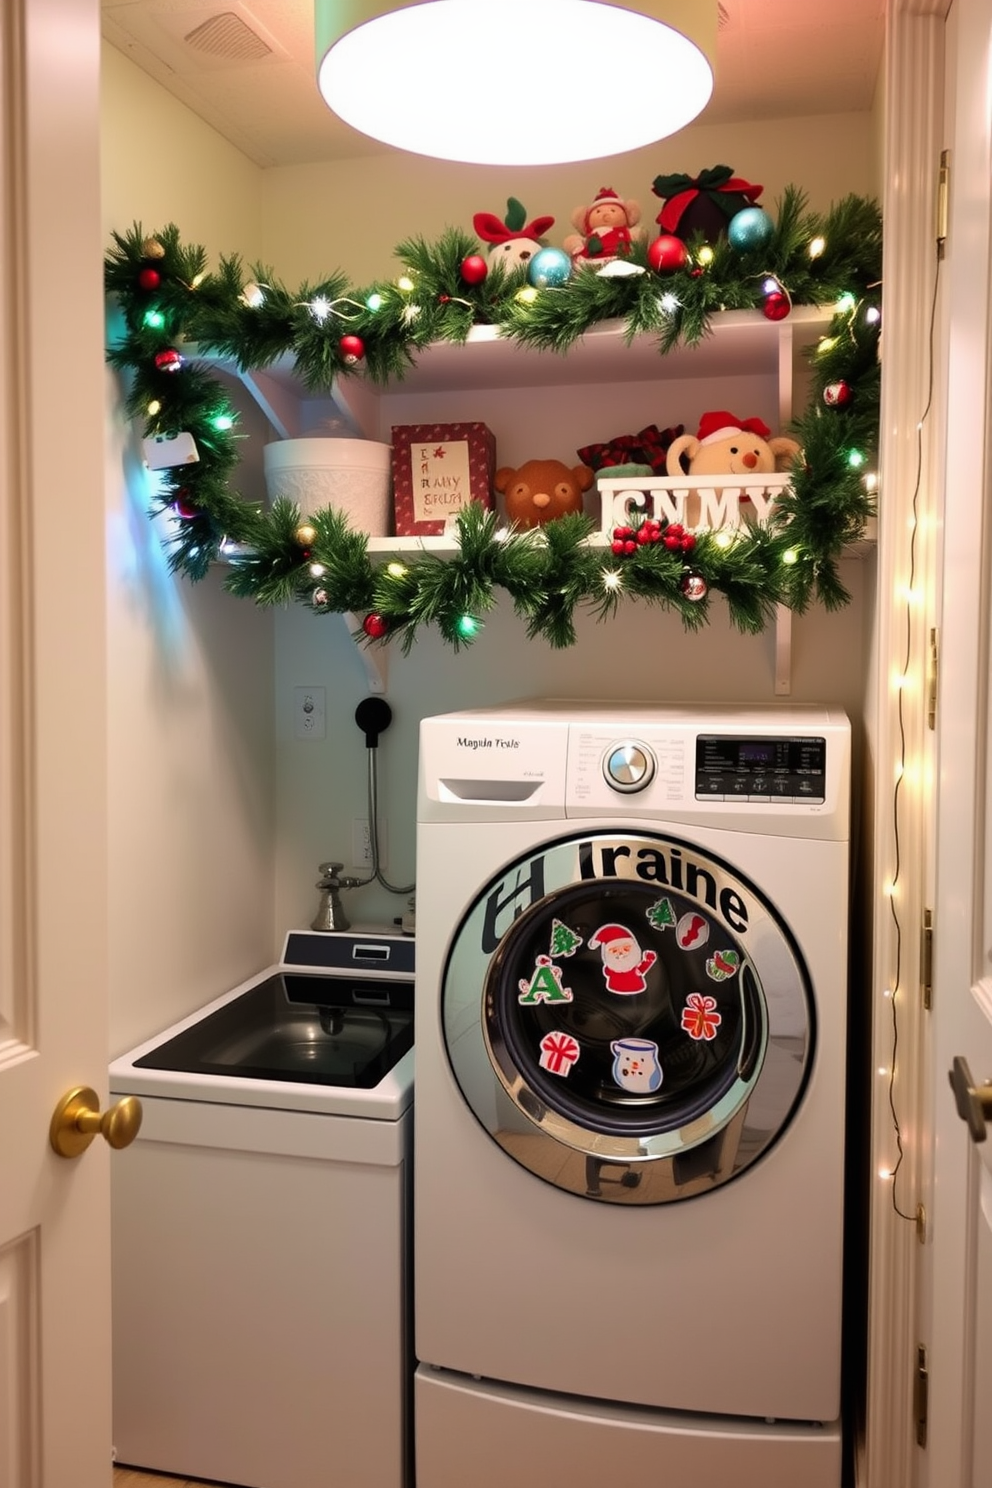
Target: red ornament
[
  {"x": 352, "y": 348},
  {"x": 474, "y": 268},
  {"x": 837, "y": 394},
  {"x": 777, "y": 305},
  {"x": 168, "y": 361},
  {"x": 693, "y": 586},
  {"x": 149, "y": 278},
  {"x": 375, "y": 626},
  {"x": 183, "y": 507},
  {"x": 667, "y": 255}
]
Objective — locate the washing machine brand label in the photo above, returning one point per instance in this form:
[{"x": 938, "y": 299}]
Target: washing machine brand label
[
  {"x": 559, "y": 1051},
  {"x": 488, "y": 741},
  {"x": 700, "y": 1018},
  {"x": 544, "y": 984},
  {"x": 663, "y": 866},
  {"x": 624, "y": 963}
]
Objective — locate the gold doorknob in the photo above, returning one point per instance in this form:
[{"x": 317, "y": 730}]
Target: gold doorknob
[
  {"x": 974, "y": 1102},
  {"x": 77, "y": 1119}
]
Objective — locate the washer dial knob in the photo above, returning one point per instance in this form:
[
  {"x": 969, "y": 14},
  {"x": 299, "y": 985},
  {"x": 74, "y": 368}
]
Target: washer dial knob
[{"x": 629, "y": 766}]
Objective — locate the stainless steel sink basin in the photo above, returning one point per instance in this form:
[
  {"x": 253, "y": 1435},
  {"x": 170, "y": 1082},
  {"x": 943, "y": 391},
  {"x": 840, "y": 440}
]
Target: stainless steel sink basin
[{"x": 299, "y": 1026}]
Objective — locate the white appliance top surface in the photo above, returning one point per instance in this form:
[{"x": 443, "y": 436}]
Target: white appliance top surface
[
  {"x": 546, "y": 760},
  {"x": 386, "y": 1101}
]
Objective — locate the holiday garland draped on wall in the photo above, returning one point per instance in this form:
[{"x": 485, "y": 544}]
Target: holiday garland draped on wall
[{"x": 173, "y": 308}]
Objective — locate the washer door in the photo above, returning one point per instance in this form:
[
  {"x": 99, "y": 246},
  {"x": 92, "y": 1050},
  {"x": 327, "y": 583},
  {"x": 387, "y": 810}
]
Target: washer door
[{"x": 628, "y": 1017}]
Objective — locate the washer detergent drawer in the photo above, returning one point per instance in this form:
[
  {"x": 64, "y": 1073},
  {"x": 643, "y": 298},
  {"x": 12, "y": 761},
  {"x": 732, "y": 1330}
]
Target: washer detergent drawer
[
  {"x": 557, "y": 1438},
  {"x": 258, "y": 1296}
]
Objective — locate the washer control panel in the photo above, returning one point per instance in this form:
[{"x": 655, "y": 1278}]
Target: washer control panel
[
  {"x": 629, "y": 766},
  {"x": 731, "y": 768}
]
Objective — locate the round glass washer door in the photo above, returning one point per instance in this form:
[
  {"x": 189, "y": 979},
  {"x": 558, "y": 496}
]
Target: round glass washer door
[{"x": 628, "y": 1017}]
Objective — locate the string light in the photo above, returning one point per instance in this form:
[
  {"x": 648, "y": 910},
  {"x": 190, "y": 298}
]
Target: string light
[
  {"x": 611, "y": 579},
  {"x": 405, "y": 283},
  {"x": 253, "y": 295},
  {"x": 320, "y": 308},
  {"x": 855, "y": 459},
  {"x": 396, "y": 570},
  {"x": 153, "y": 319},
  {"x": 669, "y": 303},
  {"x": 705, "y": 256},
  {"x": 222, "y": 422},
  {"x": 468, "y": 626},
  {"x": 527, "y": 295},
  {"x": 724, "y": 539},
  {"x": 790, "y": 556},
  {"x": 873, "y": 315},
  {"x": 816, "y": 246},
  {"x": 317, "y": 570},
  {"x": 375, "y": 302},
  {"x": 846, "y": 303},
  {"x": 825, "y": 344},
  {"x": 154, "y": 407}
]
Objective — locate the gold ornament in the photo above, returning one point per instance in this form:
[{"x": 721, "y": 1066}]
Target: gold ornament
[
  {"x": 305, "y": 535},
  {"x": 152, "y": 248}
]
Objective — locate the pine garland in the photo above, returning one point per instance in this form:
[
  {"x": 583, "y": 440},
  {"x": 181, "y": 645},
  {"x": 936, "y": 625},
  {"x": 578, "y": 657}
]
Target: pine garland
[{"x": 172, "y": 308}]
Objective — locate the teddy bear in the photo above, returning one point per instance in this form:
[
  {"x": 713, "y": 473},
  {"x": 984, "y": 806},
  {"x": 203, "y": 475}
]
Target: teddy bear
[
  {"x": 726, "y": 445},
  {"x": 514, "y": 241},
  {"x": 541, "y": 490},
  {"x": 607, "y": 228}
]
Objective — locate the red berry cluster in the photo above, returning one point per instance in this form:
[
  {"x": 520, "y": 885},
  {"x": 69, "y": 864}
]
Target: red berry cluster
[
  {"x": 677, "y": 540},
  {"x": 627, "y": 540}
]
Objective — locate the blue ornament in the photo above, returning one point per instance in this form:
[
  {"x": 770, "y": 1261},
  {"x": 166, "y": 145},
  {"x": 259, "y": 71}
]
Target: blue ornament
[
  {"x": 549, "y": 267},
  {"x": 750, "y": 229}
]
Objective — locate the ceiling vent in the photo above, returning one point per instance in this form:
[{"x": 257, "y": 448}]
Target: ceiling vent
[{"x": 226, "y": 37}]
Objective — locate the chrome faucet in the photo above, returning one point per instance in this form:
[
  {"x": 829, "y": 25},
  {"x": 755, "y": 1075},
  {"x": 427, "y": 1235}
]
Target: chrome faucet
[{"x": 331, "y": 915}]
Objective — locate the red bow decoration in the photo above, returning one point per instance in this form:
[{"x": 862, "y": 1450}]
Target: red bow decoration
[
  {"x": 719, "y": 184},
  {"x": 649, "y": 447}
]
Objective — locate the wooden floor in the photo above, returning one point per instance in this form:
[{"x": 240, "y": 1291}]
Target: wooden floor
[{"x": 130, "y": 1477}]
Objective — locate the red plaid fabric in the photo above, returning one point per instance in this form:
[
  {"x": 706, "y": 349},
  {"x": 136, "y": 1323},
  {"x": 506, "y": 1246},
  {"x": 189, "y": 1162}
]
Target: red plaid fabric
[{"x": 649, "y": 447}]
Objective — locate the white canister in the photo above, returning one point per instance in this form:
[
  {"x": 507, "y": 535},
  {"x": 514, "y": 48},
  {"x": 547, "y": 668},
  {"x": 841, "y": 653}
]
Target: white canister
[{"x": 351, "y": 475}]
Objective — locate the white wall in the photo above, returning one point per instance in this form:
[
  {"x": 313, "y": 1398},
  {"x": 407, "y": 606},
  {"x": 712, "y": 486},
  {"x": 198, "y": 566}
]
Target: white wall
[
  {"x": 190, "y": 671},
  {"x": 214, "y": 846}
]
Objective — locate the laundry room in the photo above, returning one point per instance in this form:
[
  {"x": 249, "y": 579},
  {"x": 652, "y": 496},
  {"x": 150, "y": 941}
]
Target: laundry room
[{"x": 245, "y": 777}]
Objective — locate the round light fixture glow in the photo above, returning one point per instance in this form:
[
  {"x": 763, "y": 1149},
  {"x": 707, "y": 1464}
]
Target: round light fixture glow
[{"x": 464, "y": 80}]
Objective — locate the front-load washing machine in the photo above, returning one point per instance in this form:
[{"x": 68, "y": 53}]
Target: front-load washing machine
[{"x": 629, "y": 1126}]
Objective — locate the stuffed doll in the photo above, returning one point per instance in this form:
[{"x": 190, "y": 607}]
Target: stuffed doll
[
  {"x": 514, "y": 241},
  {"x": 726, "y": 445},
  {"x": 541, "y": 490},
  {"x": 607, "y": 229}
]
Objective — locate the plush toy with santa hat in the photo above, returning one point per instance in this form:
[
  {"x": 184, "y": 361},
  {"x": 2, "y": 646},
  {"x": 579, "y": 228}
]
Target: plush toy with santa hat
[
  {"x": 726, "y": 445},
  {"x": 607, "y": 228},
  {"x": 624, "y": 963}
]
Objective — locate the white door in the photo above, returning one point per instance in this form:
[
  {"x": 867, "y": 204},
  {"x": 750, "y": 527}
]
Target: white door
[
  {"x": 957, "y": 1268},
  {"x": 54, "y": 1213}
]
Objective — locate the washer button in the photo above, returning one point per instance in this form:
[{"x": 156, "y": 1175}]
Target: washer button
[{"x": 629, "y": 767}]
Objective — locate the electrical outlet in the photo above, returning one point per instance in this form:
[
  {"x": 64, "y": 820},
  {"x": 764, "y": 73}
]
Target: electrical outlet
[
  {"x": 309, "y": 713},
  {"x": 361, "y": 844}
]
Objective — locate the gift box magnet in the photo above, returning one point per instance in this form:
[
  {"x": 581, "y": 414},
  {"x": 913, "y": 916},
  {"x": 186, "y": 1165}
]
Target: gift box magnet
[{"x": 437, "y": 470}]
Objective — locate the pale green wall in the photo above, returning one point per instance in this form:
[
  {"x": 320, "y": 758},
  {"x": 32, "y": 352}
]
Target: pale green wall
[{"x": 350, "y": 215}]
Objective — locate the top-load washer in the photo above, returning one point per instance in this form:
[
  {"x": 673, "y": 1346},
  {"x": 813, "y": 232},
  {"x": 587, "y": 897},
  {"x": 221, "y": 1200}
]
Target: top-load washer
[{"x": 629, "y": 1127}]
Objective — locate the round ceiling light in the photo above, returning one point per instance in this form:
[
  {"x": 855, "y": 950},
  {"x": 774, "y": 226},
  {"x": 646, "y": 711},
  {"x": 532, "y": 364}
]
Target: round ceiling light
[{"x": 521, "y": 82}]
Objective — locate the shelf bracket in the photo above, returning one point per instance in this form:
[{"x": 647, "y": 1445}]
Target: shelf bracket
[
  {"x": 374, "y": 660},
  {"x": 783, "y": 650}
]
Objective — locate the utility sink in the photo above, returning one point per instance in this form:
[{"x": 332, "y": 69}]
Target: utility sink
[{"x": 299, "y": 1026}]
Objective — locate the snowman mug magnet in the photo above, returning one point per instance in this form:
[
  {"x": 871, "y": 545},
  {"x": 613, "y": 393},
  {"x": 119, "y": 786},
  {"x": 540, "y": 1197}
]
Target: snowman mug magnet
[{"x": 636, "y": 1067}]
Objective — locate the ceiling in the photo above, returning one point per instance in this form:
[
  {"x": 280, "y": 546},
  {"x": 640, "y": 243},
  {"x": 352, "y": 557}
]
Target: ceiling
[{"x": 248, "y": 69}]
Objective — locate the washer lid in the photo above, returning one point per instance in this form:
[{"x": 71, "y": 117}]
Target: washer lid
[{"x": 627, "y": 1016}]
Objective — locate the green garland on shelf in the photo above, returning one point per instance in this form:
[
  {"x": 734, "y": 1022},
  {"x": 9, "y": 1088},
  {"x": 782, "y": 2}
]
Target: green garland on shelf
[{"x": 172, "y": 308}]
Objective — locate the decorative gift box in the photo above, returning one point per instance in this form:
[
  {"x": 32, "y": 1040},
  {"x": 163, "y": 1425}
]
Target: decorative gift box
[{"x": 437, "y": 470}]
